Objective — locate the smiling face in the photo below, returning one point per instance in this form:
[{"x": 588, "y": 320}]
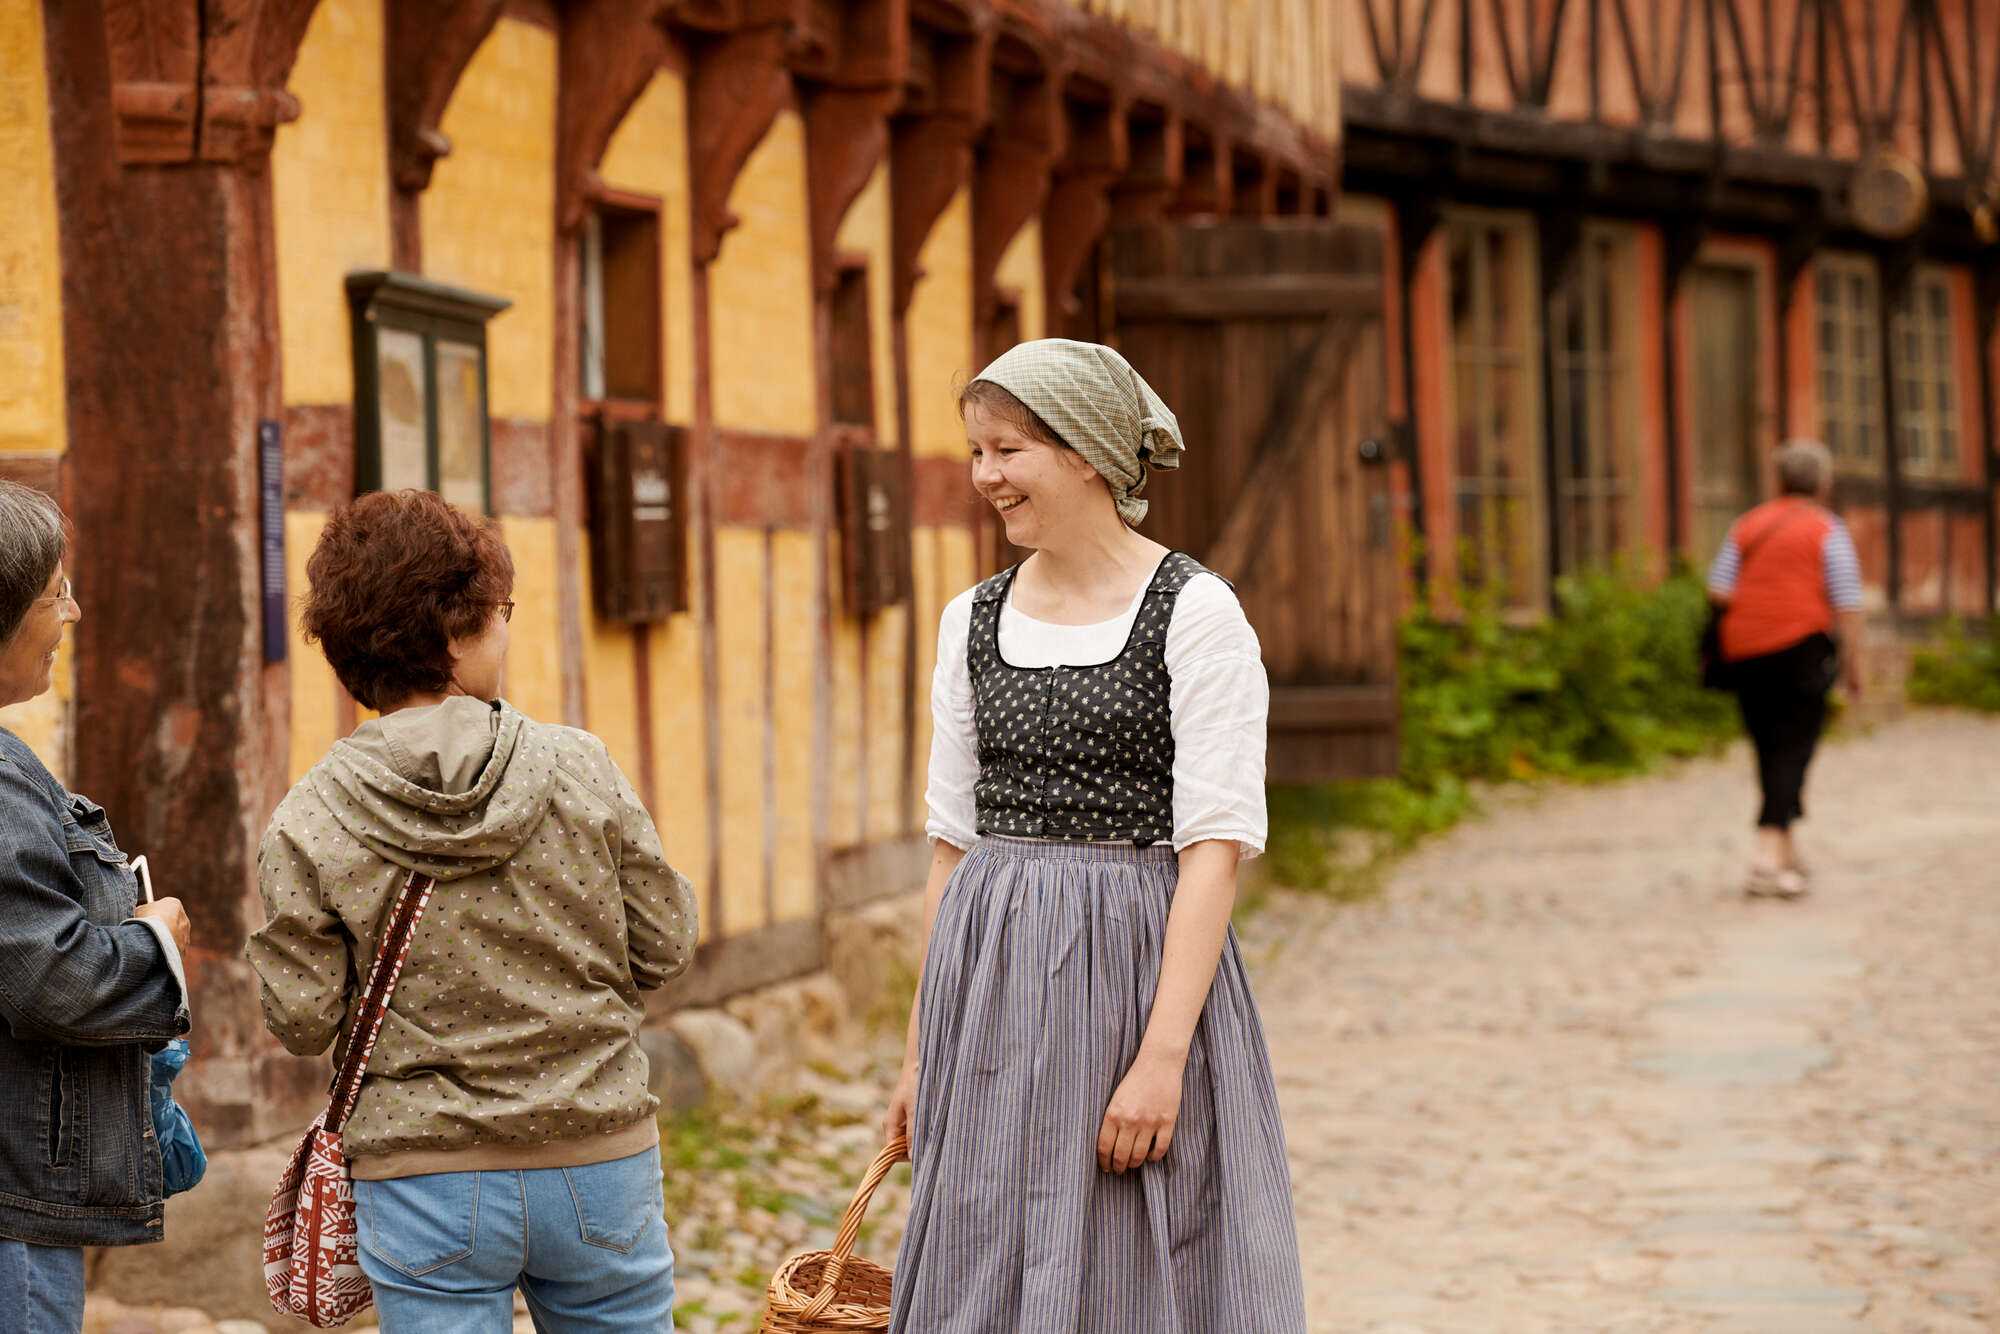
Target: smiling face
[
  {"x": 1040, "y": 490},
  {"x": 28, "y": 659}
]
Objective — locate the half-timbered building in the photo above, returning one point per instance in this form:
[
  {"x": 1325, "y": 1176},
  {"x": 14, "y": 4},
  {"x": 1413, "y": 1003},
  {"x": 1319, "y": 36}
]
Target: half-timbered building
[
  {"x": 676, "y": 289},
  {"x": 1635, "y": 243}
]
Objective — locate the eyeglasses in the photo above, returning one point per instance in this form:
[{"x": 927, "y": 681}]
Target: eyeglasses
[
  {"x": 63, "y": 596},
  {"x": 506, "y": 608}
]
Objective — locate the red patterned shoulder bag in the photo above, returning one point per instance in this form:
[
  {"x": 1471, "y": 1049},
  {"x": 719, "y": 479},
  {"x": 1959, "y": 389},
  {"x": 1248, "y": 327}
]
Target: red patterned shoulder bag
[{"x": 312, "y": 1265}]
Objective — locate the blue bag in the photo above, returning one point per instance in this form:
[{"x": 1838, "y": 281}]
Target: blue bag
[{"x": 182, "y": 1161}]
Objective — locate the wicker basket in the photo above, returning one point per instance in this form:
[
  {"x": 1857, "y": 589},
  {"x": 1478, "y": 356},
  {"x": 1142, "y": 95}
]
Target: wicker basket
[{"x": 834, "y": 1292}]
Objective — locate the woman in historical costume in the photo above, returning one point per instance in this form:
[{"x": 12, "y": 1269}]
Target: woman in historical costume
[
  {"x": 92, "y": 979},
  {"x": 1093, "y": 1119},
  {"x": 1790, "y": 586},
  {"x": 504, "y": 1136}
]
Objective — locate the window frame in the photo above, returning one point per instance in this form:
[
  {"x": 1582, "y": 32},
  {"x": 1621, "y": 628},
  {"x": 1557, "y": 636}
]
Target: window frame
[
  {"x": 1844, "y": 409},
  {"x": 1529, "y": 487},
  {"x": 1925, "y": 423},
  {"x": 1609, "y": 364},
  {"x": 436, "y": 313}
]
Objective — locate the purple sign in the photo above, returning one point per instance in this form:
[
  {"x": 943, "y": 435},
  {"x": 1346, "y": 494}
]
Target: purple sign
[{"x": 271, "y": 495}]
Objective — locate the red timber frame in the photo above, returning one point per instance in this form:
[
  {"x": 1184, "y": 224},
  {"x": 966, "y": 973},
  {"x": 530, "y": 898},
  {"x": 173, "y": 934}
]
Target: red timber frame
[
  {"x": 1711, "y": 119},
  {"x": 163, "y": 115}
]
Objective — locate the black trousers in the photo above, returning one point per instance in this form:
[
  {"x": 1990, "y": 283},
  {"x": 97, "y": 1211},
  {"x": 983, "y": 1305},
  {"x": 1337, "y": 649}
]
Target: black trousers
[{"x": 1783, "y": 699}]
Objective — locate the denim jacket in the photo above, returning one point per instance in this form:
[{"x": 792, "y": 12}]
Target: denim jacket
[{"x": 86, "y": 992}]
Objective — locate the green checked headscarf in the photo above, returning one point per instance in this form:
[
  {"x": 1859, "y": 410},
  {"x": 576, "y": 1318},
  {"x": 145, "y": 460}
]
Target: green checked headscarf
[{"x": 1099, "y": 405}]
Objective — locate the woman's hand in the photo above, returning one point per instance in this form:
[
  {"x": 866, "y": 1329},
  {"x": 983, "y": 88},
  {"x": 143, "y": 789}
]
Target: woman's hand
[
  {"x": 1139, "y": 1124},
  {"x": 897, "y": 1121},
  {"x": 175, "y": 916}
]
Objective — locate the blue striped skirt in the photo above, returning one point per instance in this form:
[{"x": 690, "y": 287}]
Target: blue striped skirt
[{"x": 1036, "y": 991}]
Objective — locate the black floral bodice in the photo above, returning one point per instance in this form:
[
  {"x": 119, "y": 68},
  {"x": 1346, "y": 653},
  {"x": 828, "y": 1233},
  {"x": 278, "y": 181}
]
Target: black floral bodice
[{"x": 1082, "y": 754}]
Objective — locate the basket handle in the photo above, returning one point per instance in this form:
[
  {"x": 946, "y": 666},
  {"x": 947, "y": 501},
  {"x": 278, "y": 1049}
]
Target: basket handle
[{"x": 895, "y": 1151}]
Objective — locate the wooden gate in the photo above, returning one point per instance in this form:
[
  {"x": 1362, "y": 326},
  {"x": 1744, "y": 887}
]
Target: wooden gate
[{"x": 1265, "y": 337}]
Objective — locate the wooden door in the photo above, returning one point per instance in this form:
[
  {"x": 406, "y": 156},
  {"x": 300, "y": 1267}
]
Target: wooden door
[
  {"x": 1265, "y": 338},
  {"x": 1726, "y": 422}
]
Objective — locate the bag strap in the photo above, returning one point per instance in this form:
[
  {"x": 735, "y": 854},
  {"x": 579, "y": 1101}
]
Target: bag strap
[
  {"x": 1771, "y": 530},
  {"x": 400, "y": 930}
]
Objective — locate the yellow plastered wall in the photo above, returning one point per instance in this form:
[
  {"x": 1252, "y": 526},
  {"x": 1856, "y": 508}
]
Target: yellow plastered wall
[
  {"x": 315, "y": 692},
  {"x": 794, "y": 653},
  {"x": 760, "y": 293},
  {"x": 865, "y": 231},
  {"x": 31, "y": 389},
  {"x": 1020, "y": 268},
  {"x": 489, "y": 215},
  {"x": 533, "y": 679},
  {"x": 845, "y": 813},
  {"x": 330, "y": 192},
  {"x": 885, "y": 718},
  {"x": 680, "y": 731},
  {"x": 610, "y": 679},
  {"x": 940, "y": 331},
  {"x": 32, "y": 413},
  {"x": 648, "y": 155},
  {"x": 741, "y": 647}
]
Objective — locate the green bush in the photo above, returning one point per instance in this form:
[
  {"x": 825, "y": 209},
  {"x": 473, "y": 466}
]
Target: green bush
[
  {"x": 1961, "y": 670},
  {"x": 1604, "y": 686}
]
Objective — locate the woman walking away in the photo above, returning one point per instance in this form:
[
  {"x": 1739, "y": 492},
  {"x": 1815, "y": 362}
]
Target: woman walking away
[
  {"x": 1090, "y": 1104},
  {"x": 504, "y": 1134},
  {"x": 1788, "y": 582},
  {"x": 91, "y": 981}
]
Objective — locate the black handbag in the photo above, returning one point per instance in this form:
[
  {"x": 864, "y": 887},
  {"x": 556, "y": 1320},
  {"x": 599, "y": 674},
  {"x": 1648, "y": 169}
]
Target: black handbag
[{"x": 1717, "y": 672}]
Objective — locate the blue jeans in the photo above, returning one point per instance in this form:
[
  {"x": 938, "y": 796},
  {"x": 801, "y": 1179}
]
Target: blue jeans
[
  {"x": 44, "y": 1284},
  {"x": 587, "y": 1245}
]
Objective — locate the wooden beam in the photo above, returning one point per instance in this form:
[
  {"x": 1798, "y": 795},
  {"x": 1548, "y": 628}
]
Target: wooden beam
[{"x": 1273, "y": 297}]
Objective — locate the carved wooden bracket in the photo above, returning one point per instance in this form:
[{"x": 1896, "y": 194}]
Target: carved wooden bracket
[
  {"x": 610, "y": 52},
  {"x": 931, "y": 149},
  {"x": 738, "y": 86},
  {"x": 1079, "y": 205},
  {"x": 853, "y": 70},
  {"x": 189, "y": 85},
  {"x": 847, "y": 134},
  {"x": 1011, "y": 170},
  {"x": 1158, "y": 163},
  {"x": 428, "y": 48}
]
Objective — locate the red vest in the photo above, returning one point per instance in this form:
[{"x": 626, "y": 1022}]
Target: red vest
[{"x": 1781, "y": 592}]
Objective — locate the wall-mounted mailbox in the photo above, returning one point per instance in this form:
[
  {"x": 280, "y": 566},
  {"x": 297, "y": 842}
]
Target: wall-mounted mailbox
[
  {"x": 638, "y": 519},
  {"x": 874, "y": 520}
]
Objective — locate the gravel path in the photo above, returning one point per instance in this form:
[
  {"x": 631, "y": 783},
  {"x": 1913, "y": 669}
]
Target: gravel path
[{"x": 1563, "y": 1077}]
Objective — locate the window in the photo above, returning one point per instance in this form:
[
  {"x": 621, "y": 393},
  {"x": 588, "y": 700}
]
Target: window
[
  {"x": 1592, "y": 323},
  {"x": 1921, "y": 351},
  {"x": 420, "y": 386},
  {"x": 1850, "y": 361},
  {"x": 1495, "y": 406},
  {"x": 620, "y": 275},
  {"x": 853, "y": 347}
]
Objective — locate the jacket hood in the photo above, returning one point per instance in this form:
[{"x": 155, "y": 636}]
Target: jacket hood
[{"x": 449, "y": 789}]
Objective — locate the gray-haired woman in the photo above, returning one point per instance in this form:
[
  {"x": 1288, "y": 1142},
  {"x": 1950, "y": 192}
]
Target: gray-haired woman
[
  {"x": 1091, "y": 1107},
  {"x": 1790, "y": 588},
  {"x": 92, "y": 980}
]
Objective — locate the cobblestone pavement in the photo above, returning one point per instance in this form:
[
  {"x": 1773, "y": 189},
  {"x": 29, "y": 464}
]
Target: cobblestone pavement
[{"x": 1563, "y": 1077}]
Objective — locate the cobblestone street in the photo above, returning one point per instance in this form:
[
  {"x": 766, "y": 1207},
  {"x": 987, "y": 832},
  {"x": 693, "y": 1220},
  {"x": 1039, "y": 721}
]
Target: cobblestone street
[{"x": 1563, "y": 1077}]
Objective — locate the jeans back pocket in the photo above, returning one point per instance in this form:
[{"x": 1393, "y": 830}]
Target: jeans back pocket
[
  {"x": 618, "y": 1200},
  {"x": 419, "y": 1223}
]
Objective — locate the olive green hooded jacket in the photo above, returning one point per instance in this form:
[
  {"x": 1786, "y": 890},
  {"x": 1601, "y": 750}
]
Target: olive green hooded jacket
[{"x": 512, "y": 1040}]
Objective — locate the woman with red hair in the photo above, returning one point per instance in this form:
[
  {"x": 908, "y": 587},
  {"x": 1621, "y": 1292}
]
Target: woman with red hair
[{"x": 504, "y": 1136}]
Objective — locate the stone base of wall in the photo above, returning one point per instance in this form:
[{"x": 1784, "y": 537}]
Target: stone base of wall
[{"x": 759, "y": 1044}]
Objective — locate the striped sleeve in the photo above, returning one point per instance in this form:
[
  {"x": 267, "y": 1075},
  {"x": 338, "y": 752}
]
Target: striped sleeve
[
  {"x": 1728, "y": 564},
  {"x": 1841, "y": 567}
]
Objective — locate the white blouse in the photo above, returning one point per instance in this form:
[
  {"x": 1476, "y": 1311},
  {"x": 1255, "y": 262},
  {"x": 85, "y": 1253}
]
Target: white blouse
[{"x": 1219, "y": 702}]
